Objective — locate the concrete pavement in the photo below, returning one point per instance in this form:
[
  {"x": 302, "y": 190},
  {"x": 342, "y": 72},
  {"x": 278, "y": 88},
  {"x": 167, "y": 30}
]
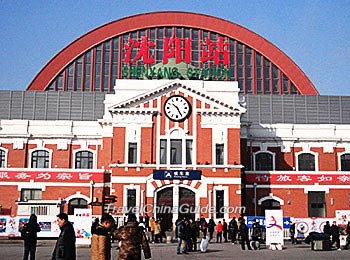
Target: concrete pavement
[{"x": 13, "y": 249}]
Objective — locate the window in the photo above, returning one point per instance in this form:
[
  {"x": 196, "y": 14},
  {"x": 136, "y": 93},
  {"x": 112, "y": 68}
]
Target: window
[
  {"x": 188, "y": 151},
  {"x": 131, "y": 200},
  {"x": 219, "y": 203},
  {"x": 345, "y": 162},
  {"x": 2, "y": 158},
  {"x": 306, "y": 162},
  {"x": 176, "y": 151},
  {"x": 317, "y": 204},
  {"x": 40, "y": 159},
  {"x": 219, "y": 154},
  {"x": 132, "y": 153},
  {"x": 31, "y": 194},
  {"x": 263, "y": 161},
  {"x": 78, "y": 203},
  {"x": 84, "y": 160}
]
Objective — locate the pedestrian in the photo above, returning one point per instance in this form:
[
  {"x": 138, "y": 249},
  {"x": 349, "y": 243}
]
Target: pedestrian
[
  {"x": 152, "y": 223},
  {"x": 65, "y": 244},
  {"x": 347, "y": 230},
  {"x": 335, "y": 232},
  {"x": 94, "y": 225},
  {"x": 163, "y": 228},
  {"x": 157, "y": 232},
  {"x": 256, "y": 234},
  {"x": 219, "y": 233},
  {"x": 193, "y": 234},
  {"x": 100, "y": 240},
  {"x": 203, "y": 226},
  {"x": 132, "y": 238},
  {"x": 211, "y": 227},
  {"x": 233, "y": 229},
  {"x": 147, "y": 222},
  {"x": 181, "y": 233},
  {"x": 29, "y": 235},
  {"x": 243, "y": 230},
  {"x": 327, "y": 228},
  {"x": 292, "y": 232},
  {"x": 224, "y": 230}
]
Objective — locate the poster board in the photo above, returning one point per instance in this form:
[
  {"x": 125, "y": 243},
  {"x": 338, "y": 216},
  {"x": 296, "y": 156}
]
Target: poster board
[{"x": 274, "y": 226}]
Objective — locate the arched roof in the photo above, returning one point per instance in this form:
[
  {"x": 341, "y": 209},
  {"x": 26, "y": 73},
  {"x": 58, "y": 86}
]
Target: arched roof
[{"x": 186, "y": 19}]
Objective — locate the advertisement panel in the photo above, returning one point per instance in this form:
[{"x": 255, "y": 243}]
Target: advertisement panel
[{"x": 274, "y": 226}]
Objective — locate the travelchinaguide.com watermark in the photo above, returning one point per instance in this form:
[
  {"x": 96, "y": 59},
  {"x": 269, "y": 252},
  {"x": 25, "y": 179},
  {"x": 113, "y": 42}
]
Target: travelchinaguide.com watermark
[{"x": 183, "y": 209}]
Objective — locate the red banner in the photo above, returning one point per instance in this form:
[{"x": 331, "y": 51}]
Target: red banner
[
  {"x": 50, "y": 175},
  {"x": 297, "y": 178}
]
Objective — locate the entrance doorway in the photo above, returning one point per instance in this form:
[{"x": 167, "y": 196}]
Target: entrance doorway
[{"x": 175, "y": 202}]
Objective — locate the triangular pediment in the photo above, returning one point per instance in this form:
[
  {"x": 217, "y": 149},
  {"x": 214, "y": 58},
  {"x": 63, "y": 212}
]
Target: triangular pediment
[{"x": 213, "y": 98}]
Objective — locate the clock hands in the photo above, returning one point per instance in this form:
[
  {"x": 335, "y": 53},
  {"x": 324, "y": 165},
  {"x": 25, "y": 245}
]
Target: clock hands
[{"x": 177, "y": 109}]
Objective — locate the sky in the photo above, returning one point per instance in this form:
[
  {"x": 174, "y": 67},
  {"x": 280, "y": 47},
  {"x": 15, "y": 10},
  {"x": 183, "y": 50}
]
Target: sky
[{"x": 315, "y": 34}]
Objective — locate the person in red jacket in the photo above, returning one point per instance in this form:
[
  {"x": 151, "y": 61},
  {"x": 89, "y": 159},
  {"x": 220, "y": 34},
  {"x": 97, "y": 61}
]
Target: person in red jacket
[{"x": 219, "y": 232}]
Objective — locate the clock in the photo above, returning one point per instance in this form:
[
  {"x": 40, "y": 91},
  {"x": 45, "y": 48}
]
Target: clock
[{"x": 177, "y": 108}]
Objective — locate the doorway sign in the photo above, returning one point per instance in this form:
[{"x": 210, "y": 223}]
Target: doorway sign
[{"x": 177, "y": 174}]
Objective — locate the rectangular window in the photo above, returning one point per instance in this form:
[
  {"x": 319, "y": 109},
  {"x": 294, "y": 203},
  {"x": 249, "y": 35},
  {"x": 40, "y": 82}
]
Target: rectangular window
[
  {"x": 219, "y": 203},
  {"x": 345, "y": 162},
  {"x": 188, "y": 151},
  {"x": 132, "y": 153},
  {"x": 2, "y": 159},
  {"x": 317, "y": 204},
  {"x": 131, "y": 200},
  {"x": 31, "y": 194},
  {"x": 176, "y": 151},
  {"x": 39, "y": 210},
  {"x": 219, "y": 154},
  {"x": 163, "y": 151}
]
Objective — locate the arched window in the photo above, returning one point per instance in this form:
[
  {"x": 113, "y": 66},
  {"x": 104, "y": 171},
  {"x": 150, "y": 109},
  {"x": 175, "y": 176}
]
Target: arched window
[
  {"x": 264, "y": 161},
  {"x": 306, "y": 162},
  {"x": 270, "y": 204},
  {"x": 2, "y": 158},
  {"x": 77, "y": 203},
  {"x": 40, "y": 159},
  {"x": 345, "y": 162},
  {"x": 84, "y": 160}
]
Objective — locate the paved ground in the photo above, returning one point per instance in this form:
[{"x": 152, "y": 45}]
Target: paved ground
[{"x": 13, "y": 249}]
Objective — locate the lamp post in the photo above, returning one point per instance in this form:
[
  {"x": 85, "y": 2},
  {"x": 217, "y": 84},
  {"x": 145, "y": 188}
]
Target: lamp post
[{"x": 255, "y": 184}]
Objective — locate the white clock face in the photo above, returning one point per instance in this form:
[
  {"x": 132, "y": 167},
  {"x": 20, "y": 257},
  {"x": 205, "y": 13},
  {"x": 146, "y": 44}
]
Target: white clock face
[{"x": 177, "y": 108}]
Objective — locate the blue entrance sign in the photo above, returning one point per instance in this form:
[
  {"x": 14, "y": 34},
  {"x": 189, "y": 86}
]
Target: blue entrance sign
[
  {"x": 261, "y": 220},
  {"x": 177, "y": 174}
]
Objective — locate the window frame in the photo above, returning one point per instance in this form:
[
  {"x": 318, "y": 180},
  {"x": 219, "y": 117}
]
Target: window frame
[
  {"x": 340, "y": 161},
  {"x": 3, "y": 157},
  {"x": 32, "y": 151},
  {"x": 273, "y": 161},
  {"x": 306, "y": 152},
  {"x": 93, "y": 162}
]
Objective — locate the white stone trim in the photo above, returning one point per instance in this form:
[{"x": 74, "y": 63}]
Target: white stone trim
[
  {"x": 271, "y": 197},
  {"x": 306, "y": 151}
]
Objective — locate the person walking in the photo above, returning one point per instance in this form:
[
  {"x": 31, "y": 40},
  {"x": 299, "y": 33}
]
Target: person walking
[
  {"x": 100, "y": 240},
  {"x": 157, "y": 232},
  {"x": 243, "y": 230},
  {"x": 347, "y": 230},
  {"x": 29, "y": 235},
  {"x": 193, "y": 234},
  {"x": 211, "y": 226},
  {"x": 335, "y": 232},
  {"x": 292, "y": 232},
  {"x": 233, "y": 229},
  {"x": 203, "y": 226},
  {"x": 152, "y": 223},
  {"x": 219, "y": 232},
  {"x": 132, "y": 238},
  {"x": 182, "y": 235},
  {"x": 65, "y": 244},
  {"x": 256, "y": 234},
  {"x": 224, "y": 230}
]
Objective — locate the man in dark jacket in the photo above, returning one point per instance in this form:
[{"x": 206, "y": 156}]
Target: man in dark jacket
[
  {"x": 182, "y": 234},
  {"x": 132, "y": 237},
  {"x": 233, "y": 229},
  {"x": 335, "y": 232},
  {"x": 29, "y": 235},
  {"x": 65, "y": 244},
  {"x": 243, "y": 230}
]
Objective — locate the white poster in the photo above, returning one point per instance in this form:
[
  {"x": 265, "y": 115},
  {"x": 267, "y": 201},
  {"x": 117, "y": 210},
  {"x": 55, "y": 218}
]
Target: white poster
[
  {"x": 274, "y": 226},
  {"x": 303, "y": 226},
  {"x": 82, "y": 224},
  {"x": 342, "y": 217}
]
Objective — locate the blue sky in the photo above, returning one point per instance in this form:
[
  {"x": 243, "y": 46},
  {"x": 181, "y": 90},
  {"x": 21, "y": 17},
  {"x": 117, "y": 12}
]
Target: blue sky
[{"x": 315, "y": 34}]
